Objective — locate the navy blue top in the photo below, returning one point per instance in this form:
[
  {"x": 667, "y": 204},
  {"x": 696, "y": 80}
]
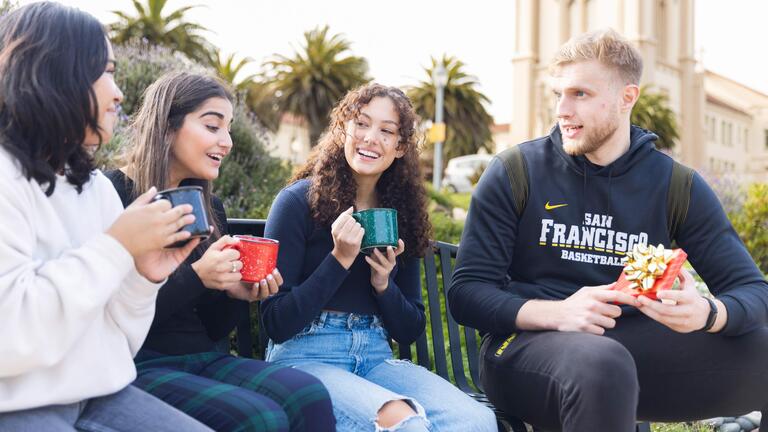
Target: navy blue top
[
  {"x": 579, "y": 221},
  {"x": 315, "y": 280}
]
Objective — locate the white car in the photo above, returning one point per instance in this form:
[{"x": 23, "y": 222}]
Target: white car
[{"x": 462, "y": 170}]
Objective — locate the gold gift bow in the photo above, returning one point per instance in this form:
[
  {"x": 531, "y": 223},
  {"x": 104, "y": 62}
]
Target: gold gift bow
[{"x": 644, "y": 264}]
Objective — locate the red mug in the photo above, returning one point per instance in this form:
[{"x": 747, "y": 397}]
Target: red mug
[{"x": 258, "y": 255}]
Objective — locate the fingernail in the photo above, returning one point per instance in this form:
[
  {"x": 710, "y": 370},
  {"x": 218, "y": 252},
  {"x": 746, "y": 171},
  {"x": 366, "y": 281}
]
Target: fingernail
[{"x": 269, "y": 277}]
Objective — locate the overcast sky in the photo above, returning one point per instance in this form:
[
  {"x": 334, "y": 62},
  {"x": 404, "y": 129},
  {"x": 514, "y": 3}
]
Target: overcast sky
[{"x": 397, "y": 37}]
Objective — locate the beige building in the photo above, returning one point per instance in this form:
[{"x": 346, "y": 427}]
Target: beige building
[
  {"x": 723, "y": 124},
  {"x": 291, "y": 141}
]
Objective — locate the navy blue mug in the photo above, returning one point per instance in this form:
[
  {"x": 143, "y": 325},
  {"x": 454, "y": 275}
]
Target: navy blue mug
[{"x": 192, "y": 195}]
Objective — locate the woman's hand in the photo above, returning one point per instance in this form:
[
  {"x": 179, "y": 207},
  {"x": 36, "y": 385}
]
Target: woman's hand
[
  {"x": 219, "y": 267},
  {"x": 157, "y": 265},
  {"x": 347, "y": 235},
  {"x": 258, "y": 291},
  {"x": 150, "y": 226},
  {"x": 382, "y": 265}
]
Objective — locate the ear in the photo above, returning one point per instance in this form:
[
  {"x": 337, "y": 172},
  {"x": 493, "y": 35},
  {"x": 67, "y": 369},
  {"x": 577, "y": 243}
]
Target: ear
[
  {"x": 400, "y": 151},
  {"x": 629, "y": 96}
]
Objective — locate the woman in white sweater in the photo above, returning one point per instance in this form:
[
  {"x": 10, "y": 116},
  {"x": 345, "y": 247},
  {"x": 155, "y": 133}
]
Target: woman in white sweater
[{"x": 78, "y": 275}]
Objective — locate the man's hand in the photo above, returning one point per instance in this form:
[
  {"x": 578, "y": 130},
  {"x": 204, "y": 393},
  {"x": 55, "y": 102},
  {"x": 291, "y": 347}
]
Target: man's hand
[
  {"x": 590, "y": 310},
  {"x": 686, "y": 312}
]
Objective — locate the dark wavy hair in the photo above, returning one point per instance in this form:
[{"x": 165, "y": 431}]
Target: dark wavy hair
[
  {"x": 166, "y": 103},
  {"x": 50, "y": 56},
  {"x": 333, "y": 188}
]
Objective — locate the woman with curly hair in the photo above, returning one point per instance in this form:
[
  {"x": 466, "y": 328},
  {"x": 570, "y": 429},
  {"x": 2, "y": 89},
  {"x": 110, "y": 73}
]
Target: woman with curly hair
[{"x": 336, "y": 309}]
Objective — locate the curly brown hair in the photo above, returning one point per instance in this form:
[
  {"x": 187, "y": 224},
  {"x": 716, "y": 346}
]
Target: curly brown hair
[{"x": 333, "y": 188}]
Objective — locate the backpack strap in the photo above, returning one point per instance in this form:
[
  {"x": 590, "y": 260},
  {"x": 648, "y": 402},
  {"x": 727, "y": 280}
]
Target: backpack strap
[
  {"x": 517, "y": 171},
  {"x": 678, "y": 198}
]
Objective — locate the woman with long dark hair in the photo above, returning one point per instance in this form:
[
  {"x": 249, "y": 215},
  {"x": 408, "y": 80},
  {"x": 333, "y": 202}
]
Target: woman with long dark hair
[
  {"x": 78, "y": 274},
  {"x": 337, "y": 308},
  {"x": 180, "y": 137}
]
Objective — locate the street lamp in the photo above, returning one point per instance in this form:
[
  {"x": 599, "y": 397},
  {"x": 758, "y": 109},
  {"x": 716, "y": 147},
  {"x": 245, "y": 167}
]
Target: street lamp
[{"x": 440, "y": 79}]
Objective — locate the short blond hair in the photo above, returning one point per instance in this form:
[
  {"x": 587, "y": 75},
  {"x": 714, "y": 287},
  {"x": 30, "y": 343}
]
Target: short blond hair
[{"x": 606, "y": 46}]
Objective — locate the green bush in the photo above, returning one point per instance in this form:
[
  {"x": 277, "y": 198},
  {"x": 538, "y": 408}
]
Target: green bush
[
  {"x": 250, "y": 177},
  {"x": 139, "y": 64},
  {"x": 445, "y": 228},
  {"x": 751, "y": 222}
]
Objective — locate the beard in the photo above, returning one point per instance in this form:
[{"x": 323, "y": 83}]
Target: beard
[{"x": 592, "y": 139}]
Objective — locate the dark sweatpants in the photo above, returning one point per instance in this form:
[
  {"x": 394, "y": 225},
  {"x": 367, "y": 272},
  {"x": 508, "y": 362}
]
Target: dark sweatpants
[{"x": 641, "y": 370}]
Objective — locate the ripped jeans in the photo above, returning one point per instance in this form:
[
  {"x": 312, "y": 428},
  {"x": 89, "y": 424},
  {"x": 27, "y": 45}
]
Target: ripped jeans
[{"x": 350, "y": 355}]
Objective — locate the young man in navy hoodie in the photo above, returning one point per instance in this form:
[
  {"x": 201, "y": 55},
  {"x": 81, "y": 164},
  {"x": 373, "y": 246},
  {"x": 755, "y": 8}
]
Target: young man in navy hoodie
[{"x": 559, "y": 351}]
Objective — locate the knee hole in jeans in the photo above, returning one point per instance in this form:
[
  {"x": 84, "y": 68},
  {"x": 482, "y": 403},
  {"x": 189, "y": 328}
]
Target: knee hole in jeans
[{"x": 394, "y": 413}]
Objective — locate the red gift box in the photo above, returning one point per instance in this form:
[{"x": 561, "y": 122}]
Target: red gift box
[{"x": 661, "y": 282}]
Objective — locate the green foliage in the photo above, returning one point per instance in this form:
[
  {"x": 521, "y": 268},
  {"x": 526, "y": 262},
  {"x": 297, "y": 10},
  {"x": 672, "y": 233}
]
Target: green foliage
[
  {"x": 751, "y": 222},
  {"x": 652, "y": 112},
  {"x": 7, "y": 6},
  {"x": 261, "y": 100},
  {"x": 314, "y": 79},
  {"x": 151, "y": 24},
  {"x": 250, "y": 177},
  {"x": 441, "y": 199},
  {"x": 139, "y": 64},
  {"x": 445, "y": 228},
  {"x": 468, "y": 124}
]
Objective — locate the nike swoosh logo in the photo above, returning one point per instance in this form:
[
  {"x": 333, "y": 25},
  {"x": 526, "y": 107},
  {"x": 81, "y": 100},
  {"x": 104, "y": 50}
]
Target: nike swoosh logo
[{"x": 547, "y": 206}]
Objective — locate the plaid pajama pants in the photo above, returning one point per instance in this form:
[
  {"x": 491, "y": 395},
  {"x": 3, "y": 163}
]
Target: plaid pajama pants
[{"x": 228, "y": 393}]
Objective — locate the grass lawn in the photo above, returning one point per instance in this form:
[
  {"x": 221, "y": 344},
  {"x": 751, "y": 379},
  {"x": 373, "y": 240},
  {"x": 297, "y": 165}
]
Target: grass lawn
[{"x": 680, "y": 427}]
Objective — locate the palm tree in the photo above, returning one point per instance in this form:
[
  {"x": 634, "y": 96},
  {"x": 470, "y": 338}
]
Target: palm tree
[
  {"x": 468, "y": 124},
  {"x": 228, "y": 70},
  {"x": 261, "y": 100},
  {"x": 309, "y": 83},
  {"x": 652, "y": 112},
  {"x": 170, "y": 30}
]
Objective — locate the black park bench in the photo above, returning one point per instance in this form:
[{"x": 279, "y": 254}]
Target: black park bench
[{"x": 443, "y": 355}]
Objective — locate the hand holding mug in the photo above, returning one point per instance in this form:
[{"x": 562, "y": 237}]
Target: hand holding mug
[
  {"x": 219, "y": 267},
  {"x": 265, "y": 288},
  {"x": 382, "y": 265},
  {"x": 347, "y": 236},
  {"x": 147, "y": 226}
]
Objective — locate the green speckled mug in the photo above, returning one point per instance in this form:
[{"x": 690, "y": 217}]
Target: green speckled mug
[{"x": 380, "y": 225}]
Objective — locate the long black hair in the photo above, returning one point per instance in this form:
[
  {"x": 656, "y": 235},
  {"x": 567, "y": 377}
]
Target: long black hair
[{"x": 50, "y": 56}]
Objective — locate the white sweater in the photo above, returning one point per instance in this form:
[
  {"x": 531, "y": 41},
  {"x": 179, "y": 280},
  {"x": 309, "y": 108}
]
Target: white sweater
[{"x": 73, "y": 309}]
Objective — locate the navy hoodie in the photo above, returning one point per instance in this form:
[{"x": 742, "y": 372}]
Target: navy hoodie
[{"x": 579, "y": 221}]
